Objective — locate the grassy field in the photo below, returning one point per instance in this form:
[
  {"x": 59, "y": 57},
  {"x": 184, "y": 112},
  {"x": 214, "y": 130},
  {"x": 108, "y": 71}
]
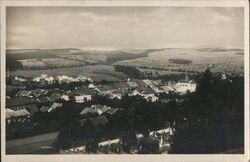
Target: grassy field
[
  {"x": 225, "y": 60},
  {"x": 96, "y": 72},
  {"x": 30, "y": 144},
  {"x": 59, "y": 62}
]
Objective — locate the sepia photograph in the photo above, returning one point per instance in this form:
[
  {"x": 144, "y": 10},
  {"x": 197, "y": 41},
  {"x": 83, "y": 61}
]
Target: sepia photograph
[{"x": 124, "y": 80}]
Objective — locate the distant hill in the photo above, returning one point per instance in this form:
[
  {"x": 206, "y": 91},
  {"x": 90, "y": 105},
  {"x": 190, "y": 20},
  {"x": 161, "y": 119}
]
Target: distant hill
[
  {"x": 16, "y": 57},
  {"x": 219, "y": 49}
]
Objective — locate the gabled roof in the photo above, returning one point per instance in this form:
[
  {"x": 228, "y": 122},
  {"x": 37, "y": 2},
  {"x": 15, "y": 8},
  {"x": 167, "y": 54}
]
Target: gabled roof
[
  {"x": 85, "y": 111},
  {"x": 55, "y": 90},
  {"x": 167, "y": 88},
  {"x": 120, "y": 85},
  {"x": 43, "y": 99},
  {"x": 44, "y": 109},
  {"x": 145, "y": 90},
  {"x": 40, "y": 92},
  {"x": 141, "y": 83},
  {"x": 105, "y": 88},
  {"x": 9, "y": 113},
  {"x": 24, "y": 93},
  {"x": 32, "y": 108},
  {"x": 192, "y": 82},
  {"x": 91, "y": 85},
  {"x": 83, "y": 91},
  {"x": 103, "y": 108},
  {"x": 22, "y": 112},
  {"x": 19, "y": 101},
  {"x": 132, "y": 84},
  {"x": 183, "y": 81},
  {"x": 55, "y": 96},
  {"x": 56, "y": 105},
  {"x": 171, "y": 82},
  {"x": 111, "y": 111},
  {"x": 121, "y": 91},
  {"x": 95, "y": 109}
]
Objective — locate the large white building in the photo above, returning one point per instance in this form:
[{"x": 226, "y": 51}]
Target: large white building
[{"x": 186, "y": 85}]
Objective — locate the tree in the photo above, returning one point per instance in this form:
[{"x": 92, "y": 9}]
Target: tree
[{"x": 128, "y": 140}]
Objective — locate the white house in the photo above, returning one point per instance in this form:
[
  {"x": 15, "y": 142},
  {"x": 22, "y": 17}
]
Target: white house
[
  {"x": 183, "y": 86},
  {"x": 91, "y": 86},
  {"x": 50, "y": 80},
  {"x": 82, "y": 98},
  {"x": 109, "y": 142},
  {"x": 65, "y": 97}
]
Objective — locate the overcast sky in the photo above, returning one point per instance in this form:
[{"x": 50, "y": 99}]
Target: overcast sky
[{"x": 124, "y": 27}]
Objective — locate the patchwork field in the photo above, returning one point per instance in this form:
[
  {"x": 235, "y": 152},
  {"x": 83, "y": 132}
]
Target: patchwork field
[
  {"x": 217, "y": 60},
  {"x": 59, "y": 62},
  {"x": 96, "y": 72},
  {"x": 96, "y": 64},
  {"x": 47, "y": 58},
  {"x": 29, "y": 63},
  {"x": 88, "y": 58}
]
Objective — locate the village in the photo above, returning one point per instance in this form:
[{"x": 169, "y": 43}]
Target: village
[{"x": 22, "y": 102}]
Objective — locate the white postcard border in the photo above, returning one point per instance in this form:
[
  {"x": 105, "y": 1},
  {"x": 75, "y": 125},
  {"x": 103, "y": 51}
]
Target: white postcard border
[{"x": 74, "y": 157}]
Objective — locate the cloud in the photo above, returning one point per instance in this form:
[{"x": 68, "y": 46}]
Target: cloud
[{"x": 123, "y": 27}]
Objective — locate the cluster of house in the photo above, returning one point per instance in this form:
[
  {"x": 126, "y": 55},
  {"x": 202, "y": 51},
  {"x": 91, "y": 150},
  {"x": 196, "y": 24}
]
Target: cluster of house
[
  {"x": 161, "y": 137},
  {"x": 98, "y": 113},
  {"x": 98, "y": 109},
  {"x": 47, "y": 100},
  {"x": 60, "y": 78},
  {"x": 148, "y": 89}
]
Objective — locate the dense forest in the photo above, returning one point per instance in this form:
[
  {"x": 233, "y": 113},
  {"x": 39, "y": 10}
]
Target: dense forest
[
  {"x": 128, "y": 70},
  {"x": 214, "y": 117},
  {"x": 180, "y": 61}
]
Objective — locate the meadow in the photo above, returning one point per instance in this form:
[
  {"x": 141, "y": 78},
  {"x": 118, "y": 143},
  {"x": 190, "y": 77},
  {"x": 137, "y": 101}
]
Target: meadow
[
  {"x": 96, "y": 72},
  {"x": 218, "y": 61}
]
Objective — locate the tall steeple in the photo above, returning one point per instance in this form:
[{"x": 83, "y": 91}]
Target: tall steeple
[{"x": 186, "y": 78}]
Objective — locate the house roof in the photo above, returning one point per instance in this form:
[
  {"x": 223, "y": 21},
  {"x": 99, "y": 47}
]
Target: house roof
[
  {"x": 19, "y": 101},
  {"x": 171, "y": 82},
  {"x": 105, "y": 88},
  {"x": 167, "y": 88},
  {"x": 118, "y": 85},
  {"x": 145, "y": 90},
  {"x": 132, "y": 84},
  {"x": 192, "y": 82},
  {"x": 121, "y": 91},
  {"x": 55, "y": 90},
  {"x": 91, "y": 85},
  {"x": 85, "y": 111},
  {"x": 103, "y": 108},
  {"x": 111, "y": 111},
  {"x": 183, "y": 81},
  {"x": 141, "y": 83},
  {"x": 158, "y": 82},
  {"x": 40, "y": 92},
  {"x": 95, "y": 109},
  {"x": 32, "y": 108},
  {"x": 18, "y": 113},
  {"x": 9, "y": 113},
  {"x": 24, "y": 93},
  {"x": 43, "y": 99},
  {"x": 55, "y": 96},
  {"x": 44, "y": 109},
  {"x": 22, "y": 112},
  {"x": 83, "y": 91},
  {"x": 56, "y": 105}
]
